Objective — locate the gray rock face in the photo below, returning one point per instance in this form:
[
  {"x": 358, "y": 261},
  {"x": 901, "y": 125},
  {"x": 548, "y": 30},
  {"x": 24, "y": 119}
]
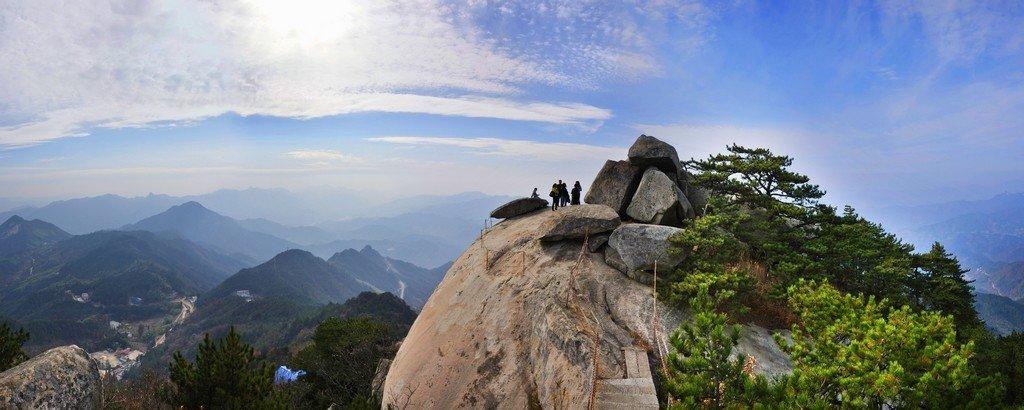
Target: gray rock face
[
  {"x": 596, "y": 242},
  {"x": 579, "y": 221},
  {"x": 658, "y": 200},
  {"x": 377, "y": 384},
  {"x": 518, "y": 207},
  {"x": 698, "y": 200},
  {"x": 649, "y": 151},
  {"x": 614, "y": 185},
  {"x": 60, "y": 378},
  {"x": 517, "y": 323},
  {"x": 638, "y": 246}
]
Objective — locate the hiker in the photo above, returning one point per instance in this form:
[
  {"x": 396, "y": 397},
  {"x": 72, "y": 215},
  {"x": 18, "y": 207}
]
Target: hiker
[
  {"x": 535, "y": 195},
  {"x": 556, "y": 195},
  {"x": 563, "y": 192},
  {"x": 576, "y": 190}
]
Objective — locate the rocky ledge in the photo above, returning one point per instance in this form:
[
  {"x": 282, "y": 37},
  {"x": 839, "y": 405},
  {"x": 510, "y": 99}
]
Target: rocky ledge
[
  {"x": 545, "y": 307},
  {"x": 60, "y": 378}
]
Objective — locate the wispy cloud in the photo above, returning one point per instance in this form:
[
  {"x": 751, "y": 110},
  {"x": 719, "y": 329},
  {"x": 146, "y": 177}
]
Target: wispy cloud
[
  {"x": 84, "y": 65},
  {"x": 542, "y": 151},
  {"x": 321, "y": 154}
]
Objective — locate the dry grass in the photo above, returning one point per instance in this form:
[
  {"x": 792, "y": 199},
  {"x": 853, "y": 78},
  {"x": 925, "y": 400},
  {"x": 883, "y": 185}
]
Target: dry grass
[{"x": 763, "y": 309}]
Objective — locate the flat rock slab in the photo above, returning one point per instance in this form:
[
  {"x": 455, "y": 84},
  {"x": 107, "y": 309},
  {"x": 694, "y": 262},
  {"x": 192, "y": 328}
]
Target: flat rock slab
[
  {"x": 518, "y": 207},
  {"x": 614, "y": 185},
  {"x": 648, "y": 151},
  {"x": 60, "y": 378},
  {"x": 658, "y": 200},
  {"x": 578, "y": 221},
  {"x": 639, "y": 246}
]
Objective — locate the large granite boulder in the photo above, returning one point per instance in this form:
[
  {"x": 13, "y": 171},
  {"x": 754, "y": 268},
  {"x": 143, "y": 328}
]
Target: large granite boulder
[
  {"x": 648, "y": 151},
  {"x": 614, "y": 185},
  {"x": 519, "y": 323},
  {"x": 518, "y": 207},
  {"x": 579, "y": 221},
  {"x": 60, "y": 378},
  {"x": 638, "y": 246},
  {"x": 658, "y": 200}
]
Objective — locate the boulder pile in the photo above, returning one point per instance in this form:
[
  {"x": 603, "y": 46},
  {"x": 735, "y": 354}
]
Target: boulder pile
[
  {"x": 650, "y": 191},
  {"x": 527, "y": 317}
]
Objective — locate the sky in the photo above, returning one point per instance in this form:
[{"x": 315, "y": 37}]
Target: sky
[{"x": 880, "y": 102}]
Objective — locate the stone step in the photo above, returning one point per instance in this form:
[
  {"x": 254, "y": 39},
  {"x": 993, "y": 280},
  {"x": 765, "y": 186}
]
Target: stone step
[
  {"x": 635, "y": 393},
  {"x": 637, "y": 365}
]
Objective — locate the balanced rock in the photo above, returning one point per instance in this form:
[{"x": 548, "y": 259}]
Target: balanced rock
[
  {"x": 60, "y": 378},
  {"x": 639, "y": 246},
  {"x": 518, "y": 207},
  {"x": 614, "y": 185},
  {"x": 648, "y": 151},
  {"x": 658, "y": 200},
  {"x": 579, "y": 221}
]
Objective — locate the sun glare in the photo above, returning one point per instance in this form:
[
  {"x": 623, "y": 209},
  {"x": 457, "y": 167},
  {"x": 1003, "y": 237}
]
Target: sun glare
[{"x": 308, "y": 23}]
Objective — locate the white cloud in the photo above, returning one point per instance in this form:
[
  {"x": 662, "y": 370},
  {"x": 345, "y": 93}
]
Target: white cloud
[
  {"x": 320, "y": 155},
  {"x": 134, "y": 63},
  {"x": 542, "y": 151}
]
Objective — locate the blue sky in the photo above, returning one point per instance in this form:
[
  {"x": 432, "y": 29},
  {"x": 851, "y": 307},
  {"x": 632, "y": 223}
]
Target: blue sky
[{"x": 887, "y": 102}]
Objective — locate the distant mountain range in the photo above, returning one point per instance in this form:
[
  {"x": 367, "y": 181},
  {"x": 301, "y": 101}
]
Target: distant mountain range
[
  {"x": 263, "y": 303},
  {"x": 205, "y": 227},
  {"x": 19, "y": 235},
  {"x": 410, "y": 282},
  {"x": 987, "y": 236},
  {"x": 425, "y": 230},
  {"x": 69, "y": 289},
  {"x": 1000, "y": 313}
]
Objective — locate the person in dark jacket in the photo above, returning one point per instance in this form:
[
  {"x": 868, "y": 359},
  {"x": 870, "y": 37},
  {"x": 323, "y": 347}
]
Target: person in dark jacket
[
  {"x": 576, "y": 190},
  {"x": 535, "y": 194},
  {"x": 563, "y": 190},
  {"x": 556, "y": 196}
]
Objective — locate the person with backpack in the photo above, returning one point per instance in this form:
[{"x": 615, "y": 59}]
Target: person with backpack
[{"x": 556, "y": 196}]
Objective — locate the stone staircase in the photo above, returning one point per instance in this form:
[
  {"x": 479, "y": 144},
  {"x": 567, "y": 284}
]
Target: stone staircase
[{"x": 636, "y": 391}]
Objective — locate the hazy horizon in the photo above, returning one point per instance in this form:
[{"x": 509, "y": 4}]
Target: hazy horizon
[{"x": 882, "y": 103}]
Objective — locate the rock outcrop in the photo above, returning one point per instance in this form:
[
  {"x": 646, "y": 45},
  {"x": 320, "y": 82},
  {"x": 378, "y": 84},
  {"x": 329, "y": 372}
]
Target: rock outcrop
[
  {"x": 637, "y": 247},
  {"x": 579, "y": 221},
  {"x": 549, "y": 310},
  {"x": 60, "y": 378},
  {"x": 614, "y": 185},
  {"x": 658, "y": 200},
  {"x": 648, "y": 151},
  {"x": 518, "y": 206}
]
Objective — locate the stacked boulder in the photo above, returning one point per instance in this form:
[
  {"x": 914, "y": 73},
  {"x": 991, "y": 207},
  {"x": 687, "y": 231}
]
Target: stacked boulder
[
  {"x": 652, "y": 194},
  {"x": 632, "y": 208}
]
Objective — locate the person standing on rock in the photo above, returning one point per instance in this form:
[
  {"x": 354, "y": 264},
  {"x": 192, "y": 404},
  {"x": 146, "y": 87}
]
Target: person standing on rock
[
  {"x": 556, "y": 196},
  {"x": 576, "y": 190},
  {"x": 563, "y": 193}
]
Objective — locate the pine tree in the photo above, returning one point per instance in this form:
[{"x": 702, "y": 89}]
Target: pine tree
[
  {"x": 857, "y": 351},
  {"x": 226, "y": 374},
  {"x": 10, "y": 346},
  {"x": 700, "y": 372},
  {"x": 342, "y": 361}
]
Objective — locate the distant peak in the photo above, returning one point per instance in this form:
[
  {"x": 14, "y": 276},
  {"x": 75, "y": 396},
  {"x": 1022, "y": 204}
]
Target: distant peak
[
  {"x": 14, "y": 219},
  {"x": 369, "y": 251},
  {"x": 192, "y": 204},
  {"x": 293, "y": 254}
]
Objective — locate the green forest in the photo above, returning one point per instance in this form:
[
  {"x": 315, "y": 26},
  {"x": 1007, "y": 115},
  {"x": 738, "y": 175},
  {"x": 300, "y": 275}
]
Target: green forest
[{"x": 873, "y": 323}]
